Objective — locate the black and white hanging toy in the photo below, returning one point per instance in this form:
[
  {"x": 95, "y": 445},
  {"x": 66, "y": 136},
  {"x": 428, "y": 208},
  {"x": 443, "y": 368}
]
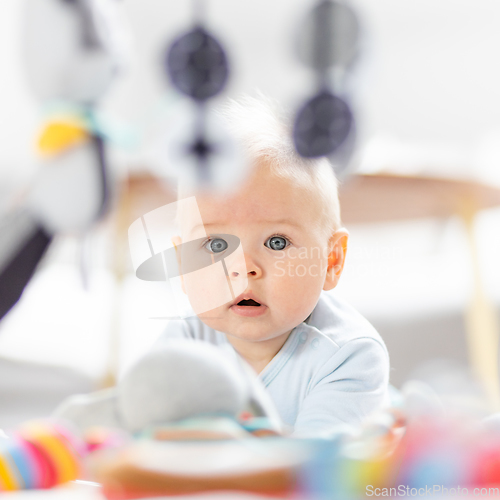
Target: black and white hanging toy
[
  {"x": 202, "y": 152},
  {"x": 329, "y": 45},
  {"x": 73, "y": 50}
]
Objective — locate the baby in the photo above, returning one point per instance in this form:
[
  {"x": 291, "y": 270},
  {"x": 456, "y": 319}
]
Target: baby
[
  {"x": 256, "y": 265},
  {"x": 322, "y": 363}
]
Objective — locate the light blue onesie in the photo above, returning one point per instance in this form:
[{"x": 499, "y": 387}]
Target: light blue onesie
[{"x": 332, "y": 369}]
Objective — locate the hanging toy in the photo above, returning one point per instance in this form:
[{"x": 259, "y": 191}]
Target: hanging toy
[
  {"x": 197, "y": 66},
  {"x": 73, "y": 50},
  {"x": 328, "y": 44}
]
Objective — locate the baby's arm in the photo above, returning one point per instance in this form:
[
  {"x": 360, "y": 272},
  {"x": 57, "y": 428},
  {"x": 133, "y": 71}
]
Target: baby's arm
[{"x": 346, "y": 388}]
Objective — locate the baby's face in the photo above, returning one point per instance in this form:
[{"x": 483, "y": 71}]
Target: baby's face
[{"x": 285, "y": 251}]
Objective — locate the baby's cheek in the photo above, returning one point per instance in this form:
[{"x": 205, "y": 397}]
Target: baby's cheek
[
  {"x": 289, "y": 291},
  {"x": 303, "y": 271},
  {"x": 301, "y": 285},
  {"x": 207, "y": 289}
]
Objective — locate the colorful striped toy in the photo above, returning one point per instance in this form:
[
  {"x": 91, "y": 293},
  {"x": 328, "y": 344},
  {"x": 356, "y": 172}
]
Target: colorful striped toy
[
  {"x": 40, "y": 454},
  {"x": 442, "y": 455}
]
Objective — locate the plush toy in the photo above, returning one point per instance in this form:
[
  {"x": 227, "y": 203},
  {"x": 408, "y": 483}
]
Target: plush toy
[
  {"x": 185, "y": 430},
  {"x": 170, "y": 387},
  {"x": 40, "y": 454},
  {"x": 185, "y": 390},
  {"x": 73, "y": 50}
]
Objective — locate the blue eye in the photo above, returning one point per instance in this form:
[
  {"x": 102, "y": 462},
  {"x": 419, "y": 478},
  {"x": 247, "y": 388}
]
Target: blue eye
[
  {"x": 276, "y": 243},
  {"x": 216, "y": 245}
]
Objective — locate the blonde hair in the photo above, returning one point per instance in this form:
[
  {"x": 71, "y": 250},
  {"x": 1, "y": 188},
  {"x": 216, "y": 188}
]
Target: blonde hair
[{"x": 260, "y": 128}]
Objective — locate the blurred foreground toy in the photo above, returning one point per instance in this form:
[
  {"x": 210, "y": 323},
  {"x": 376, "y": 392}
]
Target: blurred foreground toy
[
  {"x": 277, "y": 466},
  {"x": 406, "y": 451},
  {"x": 150, "y": 469},
  {"x": 181, "y": 380},
  {"x": 40, "y": 455},
  {"x": 423, "y": 448},
  {"x": 195, "y": 412}
]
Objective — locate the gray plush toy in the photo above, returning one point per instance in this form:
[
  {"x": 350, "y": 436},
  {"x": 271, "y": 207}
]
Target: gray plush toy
[{"x": 181, "y": 380}]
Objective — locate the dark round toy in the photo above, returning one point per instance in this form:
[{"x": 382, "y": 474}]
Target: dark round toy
[
  {"x": 197, "y": 65},
  {"x": 322, "y": 125},
  {"x": 201, "y": 148},
  {"x": 329, "y": 36}
]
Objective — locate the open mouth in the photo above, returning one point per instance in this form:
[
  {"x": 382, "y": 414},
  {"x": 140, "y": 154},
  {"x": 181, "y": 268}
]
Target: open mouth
[
  {"x": 248, "y": 302},
  {"x": 246, "y": 306}
]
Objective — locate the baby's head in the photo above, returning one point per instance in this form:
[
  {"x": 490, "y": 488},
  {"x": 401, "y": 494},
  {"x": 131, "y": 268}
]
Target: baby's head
[{"x": 287, "y": 218}]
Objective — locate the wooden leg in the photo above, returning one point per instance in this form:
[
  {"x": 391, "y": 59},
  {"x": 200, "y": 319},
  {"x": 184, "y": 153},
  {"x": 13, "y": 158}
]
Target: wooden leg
[
  {"x": 482, "y": 322},
  {"x": 120, "y": 223}
]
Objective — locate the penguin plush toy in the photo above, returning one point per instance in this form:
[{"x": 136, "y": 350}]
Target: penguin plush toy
[{"x": 73, "y": 49}]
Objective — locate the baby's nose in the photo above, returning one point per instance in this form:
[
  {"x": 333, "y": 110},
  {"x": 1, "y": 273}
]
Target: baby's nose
[
  {"x": 235, "y": 274},
  {"x": 253, "y": 270}
]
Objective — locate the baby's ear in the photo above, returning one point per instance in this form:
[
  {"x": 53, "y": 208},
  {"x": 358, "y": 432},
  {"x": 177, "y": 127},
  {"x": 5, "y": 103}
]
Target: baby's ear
[
  {"x": 336, "y": 258},
  {"x": 177, "y": 242}
]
